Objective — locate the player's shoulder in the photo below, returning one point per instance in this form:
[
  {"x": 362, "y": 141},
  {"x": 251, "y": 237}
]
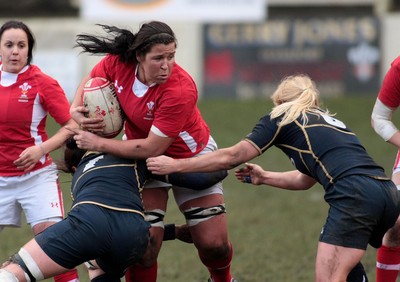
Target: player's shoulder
[
  {"x": 36, "y": 71},
  {"x": 44, "y": 79},
  {"x": 180, "y": 74},
  {"x": 181, "y": 82},
  {"x": 114, "y": 61}
]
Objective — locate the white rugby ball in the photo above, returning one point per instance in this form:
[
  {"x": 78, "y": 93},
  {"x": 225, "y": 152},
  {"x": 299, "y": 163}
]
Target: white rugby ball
[{"x": 100, "y": 98}]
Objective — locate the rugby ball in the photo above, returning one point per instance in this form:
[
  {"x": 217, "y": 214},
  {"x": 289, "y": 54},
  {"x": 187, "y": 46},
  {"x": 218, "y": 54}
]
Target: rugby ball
[{"x": 100, "y": 98}]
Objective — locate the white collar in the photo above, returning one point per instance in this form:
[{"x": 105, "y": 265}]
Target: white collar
[{"x": 8, "y": 78}]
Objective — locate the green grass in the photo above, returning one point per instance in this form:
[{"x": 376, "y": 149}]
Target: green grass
[{"x": 274, "y": 232}]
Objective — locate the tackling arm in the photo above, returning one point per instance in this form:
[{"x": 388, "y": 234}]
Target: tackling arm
[
  {"x": 288, "y": 180},
  {"x": 226, "y": 158},
  {"x": 152, "y": 145}
]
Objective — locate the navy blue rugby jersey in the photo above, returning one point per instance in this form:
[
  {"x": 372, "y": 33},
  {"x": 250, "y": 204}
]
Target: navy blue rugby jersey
[
  {"x": 109, "y": 181},
  {"x": 325, "y": 148}
]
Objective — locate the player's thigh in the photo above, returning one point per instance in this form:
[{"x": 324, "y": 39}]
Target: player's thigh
[
  {"x": 155, "y": 205},
  {"x": 10, "y": 212},
  {"x": 184, "y": 196},
  {"x": 212, "y": 231},
  {"x": 10, "y": 209},
  {"x": 392, "y": 236},
  {"x": 155, "y": 198},
  {"x": 42, "y": 198},
  {"x": 35, "y": 258},
  {"x": 396, "y": 178},
  {"x": 333, "y": 263}
]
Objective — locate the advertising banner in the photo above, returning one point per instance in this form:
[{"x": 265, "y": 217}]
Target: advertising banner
[
  {"x": 341, "y": 53},
  {"x": 174, "y": 10}
]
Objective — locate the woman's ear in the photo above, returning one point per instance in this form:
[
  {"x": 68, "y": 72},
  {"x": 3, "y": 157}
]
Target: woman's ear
[{"x": 139, "y": 58}]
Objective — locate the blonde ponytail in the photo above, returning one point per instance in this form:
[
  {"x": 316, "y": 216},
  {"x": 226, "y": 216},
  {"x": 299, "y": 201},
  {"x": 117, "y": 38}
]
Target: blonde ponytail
[{"x": 295, "y": 95}]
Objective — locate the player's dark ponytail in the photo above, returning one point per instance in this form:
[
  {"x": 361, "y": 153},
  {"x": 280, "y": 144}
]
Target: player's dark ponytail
[
  {"x": 119, "y": 44},
  {"x": 124, "y": 43}
]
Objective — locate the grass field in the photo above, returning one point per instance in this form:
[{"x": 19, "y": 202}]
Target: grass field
[{"x": 274, "y": 232}]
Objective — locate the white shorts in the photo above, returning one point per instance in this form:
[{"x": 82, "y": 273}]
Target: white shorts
[
  {"x": 183, "y": 195},
  {"x": 36, "y": 193}
]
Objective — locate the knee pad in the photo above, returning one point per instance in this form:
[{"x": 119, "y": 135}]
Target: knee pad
[
  {"x": 31, "y": 270},
  {"x": 106, "y": 278},
  {"x": 7, "y": 276},
  {"x": 196, "y": 215},
  {"x": 155, "y": 217}
]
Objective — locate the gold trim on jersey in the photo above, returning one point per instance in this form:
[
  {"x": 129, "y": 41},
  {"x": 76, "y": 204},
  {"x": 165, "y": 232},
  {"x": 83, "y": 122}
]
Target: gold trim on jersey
[
  {"x": 108, "y": 207},
  {"x": 330, "y": 126},
  {"x": 134, "y": 165}
]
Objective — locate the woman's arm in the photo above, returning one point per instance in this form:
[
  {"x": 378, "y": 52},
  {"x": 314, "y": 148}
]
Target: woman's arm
[
  {"x": 31, "y": 155},
  {"x": 151, "y": 146},
  {"x": 289, "y": 180},
  {"x": 77, "y": 110},
  {"x": 381, "y": 122},
  {"x": 226, "y": 158}
]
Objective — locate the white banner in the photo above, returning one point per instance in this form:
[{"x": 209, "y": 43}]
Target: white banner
[{"x": 204, "y": 11}]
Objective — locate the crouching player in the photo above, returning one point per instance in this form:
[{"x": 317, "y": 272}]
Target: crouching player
[{"x": 105, "y": 228}]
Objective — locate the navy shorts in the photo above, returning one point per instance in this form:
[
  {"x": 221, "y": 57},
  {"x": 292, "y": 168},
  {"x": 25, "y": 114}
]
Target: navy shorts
[
  {"x": 361, "y": 210},
  {"x": 114, "y": 239}
]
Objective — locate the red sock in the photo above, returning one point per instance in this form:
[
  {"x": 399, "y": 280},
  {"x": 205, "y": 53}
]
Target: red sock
[
  {"x": 70, "y": 276},
  {"x": 220, "y": 270},
  {"x": 387, "y": 264},
  {"x": 137, "y": 273}
]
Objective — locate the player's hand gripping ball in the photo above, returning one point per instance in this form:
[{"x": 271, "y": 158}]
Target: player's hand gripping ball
[{"x": 100, "y": 98}]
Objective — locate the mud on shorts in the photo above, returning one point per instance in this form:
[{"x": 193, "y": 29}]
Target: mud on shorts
[
  {"x": 361, "y": 210},
  {"x": 115, "y": 239}
]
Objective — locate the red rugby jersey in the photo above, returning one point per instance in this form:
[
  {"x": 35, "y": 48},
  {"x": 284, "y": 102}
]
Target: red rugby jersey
[
  {"x": 25, "y": 101},
  {"x": 390, "y": 90},
  {"x": 170, "y": 107}
]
